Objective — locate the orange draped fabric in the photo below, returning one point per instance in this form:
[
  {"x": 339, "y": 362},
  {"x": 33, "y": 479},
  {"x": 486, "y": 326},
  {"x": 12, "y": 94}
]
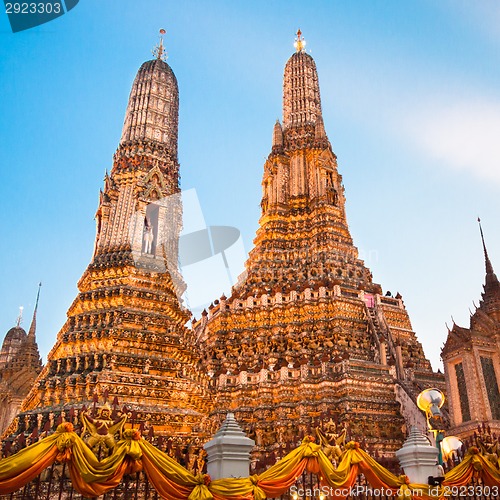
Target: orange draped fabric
[
  {"x": 278, "y": 478},
  {"x": 275, "y": 487},
  {"x": 99, "y": 488},
  {"x": 461, "y": 474},
  {"x": 166, "y": 487},
  {"x": 92, "y": 477},
  {"x": 17, "y": 481},
  {"x": 490, "y": 474}
]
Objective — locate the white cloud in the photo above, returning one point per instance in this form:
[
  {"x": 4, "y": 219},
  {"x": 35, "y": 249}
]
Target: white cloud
[
  {"x": 444, "y": 116},
  {"x": 464, "y": 135}
]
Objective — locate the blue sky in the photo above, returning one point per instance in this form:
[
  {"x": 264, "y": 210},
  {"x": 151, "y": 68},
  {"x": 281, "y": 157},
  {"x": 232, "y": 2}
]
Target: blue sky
[{"x": 411, "y": 103}]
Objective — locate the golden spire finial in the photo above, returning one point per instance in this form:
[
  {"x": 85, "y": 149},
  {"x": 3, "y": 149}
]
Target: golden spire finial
[
  {"x": 300, "y": 43},
  {"x": 159, "y": 51}
]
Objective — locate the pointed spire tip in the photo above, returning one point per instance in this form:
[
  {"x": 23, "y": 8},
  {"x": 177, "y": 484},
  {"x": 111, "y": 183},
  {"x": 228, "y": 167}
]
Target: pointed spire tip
[
  {"x": 32, "y": 330},
  {"x": 489, "y": 267},
  {"x": 300, "y": 43},
  {"x": 20, "y": 317},
  {"x": 159, "y": 51}
]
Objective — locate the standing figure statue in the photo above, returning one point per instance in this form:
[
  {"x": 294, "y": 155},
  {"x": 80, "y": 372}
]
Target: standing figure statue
[
  {"x": 331, "y": 441},
  {"x": 490, "y": 448},
  {"x": 102, "y": 430},
  {"x": 148, "y": 236}
]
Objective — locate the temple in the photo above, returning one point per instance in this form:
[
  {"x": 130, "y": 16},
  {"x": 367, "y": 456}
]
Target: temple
[
  {"x": 471, "y": 358},
  {"x": 125, "y": 342},
  {"x": 307, "y": 336},
  {"x": 306, "y": 339},
  {"x": 20, "y": 365}
]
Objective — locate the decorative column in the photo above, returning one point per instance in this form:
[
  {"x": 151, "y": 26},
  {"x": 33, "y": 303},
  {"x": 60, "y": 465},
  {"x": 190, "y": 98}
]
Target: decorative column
[
  {"x": 418, "y": 457},
  {"x": 229, "y": 451},
  {"x": 399, "y": 363},
  {"x": 383, "y": 354}
]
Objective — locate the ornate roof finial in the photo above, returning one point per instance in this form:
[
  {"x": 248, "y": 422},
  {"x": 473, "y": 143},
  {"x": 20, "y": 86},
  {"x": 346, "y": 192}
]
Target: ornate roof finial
[
  {"x": 20, "y": 317},
  {"x": 159, "y": 51},
  {"x": 300, "y": 43},
  {"x": 489, "y": 267}
]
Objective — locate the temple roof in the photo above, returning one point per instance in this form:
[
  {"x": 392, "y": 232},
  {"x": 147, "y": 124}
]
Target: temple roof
[
  {"x": 485, "y": 321},
  {"x": 16, "y": 333},
  {"x": 490, "y": 303}
]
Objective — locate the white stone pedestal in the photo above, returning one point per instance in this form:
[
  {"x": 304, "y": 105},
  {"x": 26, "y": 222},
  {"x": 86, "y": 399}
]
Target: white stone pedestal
[
  {"x": 418, "y": 457},
  {"x": 229, "y": 451}
]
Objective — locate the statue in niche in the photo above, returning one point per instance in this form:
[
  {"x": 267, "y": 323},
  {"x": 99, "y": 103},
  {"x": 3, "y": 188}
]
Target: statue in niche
[
  {"x": 148, "y": 236},
  {"x": 331, "y": 192}
]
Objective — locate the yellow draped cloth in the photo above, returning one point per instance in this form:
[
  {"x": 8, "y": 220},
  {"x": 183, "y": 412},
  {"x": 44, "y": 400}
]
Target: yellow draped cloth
[{"x": 91, "y": 477}]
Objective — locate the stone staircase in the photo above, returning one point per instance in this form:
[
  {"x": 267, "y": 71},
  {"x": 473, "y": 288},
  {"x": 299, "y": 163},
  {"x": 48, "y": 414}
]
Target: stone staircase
[{"x": 380, "y": 331}]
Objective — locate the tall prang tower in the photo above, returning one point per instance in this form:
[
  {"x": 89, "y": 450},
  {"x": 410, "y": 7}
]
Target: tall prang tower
[
  {"x": 125, "y": 338},
  {"x": 306, "y": 335}
]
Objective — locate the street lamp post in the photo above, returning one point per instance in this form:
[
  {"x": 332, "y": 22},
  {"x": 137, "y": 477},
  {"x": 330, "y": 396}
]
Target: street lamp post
[{"x": 430, "y": 402}]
